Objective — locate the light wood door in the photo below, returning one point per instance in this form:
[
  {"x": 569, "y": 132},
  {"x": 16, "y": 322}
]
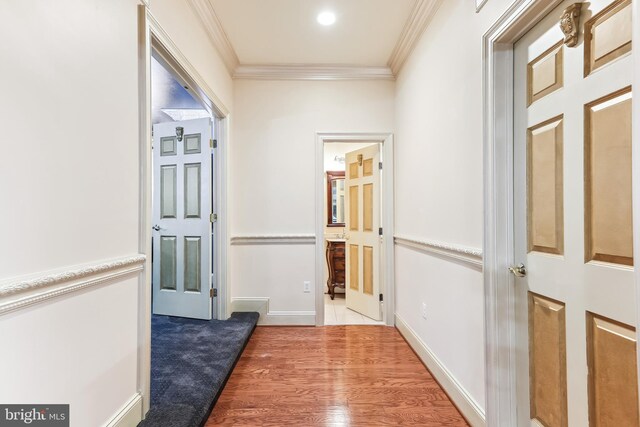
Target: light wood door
[
  {"x": 181, "y": 216},
  {"x": 362, "y": 222},
  {"x": 576, "y": 353}
]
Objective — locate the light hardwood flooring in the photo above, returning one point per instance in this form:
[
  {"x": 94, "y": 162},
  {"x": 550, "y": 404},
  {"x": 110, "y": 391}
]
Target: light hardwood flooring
[{"x": 331, "y": 376}]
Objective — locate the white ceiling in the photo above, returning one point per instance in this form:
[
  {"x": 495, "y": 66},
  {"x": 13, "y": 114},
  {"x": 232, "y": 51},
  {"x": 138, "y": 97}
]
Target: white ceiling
[{"x": 274, "y": 32}]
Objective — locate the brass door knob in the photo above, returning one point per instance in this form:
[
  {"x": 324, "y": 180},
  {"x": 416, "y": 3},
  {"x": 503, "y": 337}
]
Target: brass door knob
[{"x": 519, "y": 270}]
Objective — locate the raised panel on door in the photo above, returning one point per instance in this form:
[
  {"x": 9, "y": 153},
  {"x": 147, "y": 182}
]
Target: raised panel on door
[
  {"x": 613, "y": 385},
  {"x": 608, "y": 230},
  {"x": 573, "y": 221}
]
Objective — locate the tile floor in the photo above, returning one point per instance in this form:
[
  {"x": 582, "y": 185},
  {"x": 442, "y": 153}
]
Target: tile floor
[{"x": 337, "y": 313}]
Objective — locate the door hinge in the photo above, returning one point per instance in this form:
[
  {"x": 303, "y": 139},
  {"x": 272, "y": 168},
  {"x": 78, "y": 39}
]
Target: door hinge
[
  {"x": 380, "y": 231},
  {"x": 380, "y": 165},
  {"x": 213, "y": 143},
  {"x": 381, "y": 298},
  {"x": 213, "y": 217},
  {"x": 213, "y": 292}
]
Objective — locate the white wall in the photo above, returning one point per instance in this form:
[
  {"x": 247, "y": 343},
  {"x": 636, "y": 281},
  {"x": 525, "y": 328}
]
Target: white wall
[
  {"x": 69, "y": 175},
  {"x": 439, "y": 186},
  {"x": 272, "y": 161}
]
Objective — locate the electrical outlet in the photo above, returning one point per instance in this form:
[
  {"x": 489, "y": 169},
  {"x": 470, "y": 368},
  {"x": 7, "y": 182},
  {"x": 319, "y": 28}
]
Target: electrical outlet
[
  {"x": 307, "y": 287},
  {"x": 424, "y": 310}
]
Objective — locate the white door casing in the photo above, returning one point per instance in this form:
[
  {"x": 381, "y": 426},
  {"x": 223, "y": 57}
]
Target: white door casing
[
  {"x": 362, "y": 223},
  {"x": 181, "y": 217},
  {"x": 572, "y": 220}
]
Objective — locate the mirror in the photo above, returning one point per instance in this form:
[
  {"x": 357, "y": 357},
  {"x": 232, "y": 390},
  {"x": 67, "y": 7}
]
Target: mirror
[{"x": 335, "y": 199}]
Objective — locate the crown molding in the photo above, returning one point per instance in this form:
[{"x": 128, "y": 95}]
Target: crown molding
[
  {"x": 213, "y": 27},
  {"x": 419, "y": 19},
  {"x": 312, "y": 72}
]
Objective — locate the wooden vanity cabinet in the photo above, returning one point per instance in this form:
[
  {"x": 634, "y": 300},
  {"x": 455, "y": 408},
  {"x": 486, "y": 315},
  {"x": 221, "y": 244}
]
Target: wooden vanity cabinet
[{"x": 336, "y": 264}]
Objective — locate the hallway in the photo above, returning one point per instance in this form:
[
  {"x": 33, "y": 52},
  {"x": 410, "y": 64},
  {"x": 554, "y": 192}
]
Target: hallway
[{"x": 339, "y": 375}]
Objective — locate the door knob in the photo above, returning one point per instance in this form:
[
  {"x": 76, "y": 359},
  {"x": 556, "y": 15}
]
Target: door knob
[
  {"x": 519, "y": 270},
  {"x": 156, "y": 227}
]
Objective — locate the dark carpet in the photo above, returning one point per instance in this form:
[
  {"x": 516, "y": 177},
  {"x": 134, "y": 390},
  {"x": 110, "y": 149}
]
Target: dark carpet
[{"x": 191, "y": 361}]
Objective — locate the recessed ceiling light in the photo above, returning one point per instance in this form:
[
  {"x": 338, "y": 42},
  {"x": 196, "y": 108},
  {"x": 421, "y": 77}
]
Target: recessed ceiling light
[{"x": 327, "y": 18}]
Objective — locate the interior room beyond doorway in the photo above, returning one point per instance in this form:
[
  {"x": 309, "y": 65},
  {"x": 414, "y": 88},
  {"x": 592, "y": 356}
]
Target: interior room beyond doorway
[{"x": 337, "y": 233}]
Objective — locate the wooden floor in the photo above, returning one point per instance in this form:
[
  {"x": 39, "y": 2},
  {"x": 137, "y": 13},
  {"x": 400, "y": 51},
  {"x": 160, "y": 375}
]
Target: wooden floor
[{"x": 331, "y": 376}]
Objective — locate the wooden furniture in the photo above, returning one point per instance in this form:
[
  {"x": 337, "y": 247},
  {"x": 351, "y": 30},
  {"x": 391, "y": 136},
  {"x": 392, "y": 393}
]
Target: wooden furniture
[
  {"x": 335, "y": 198},
  {"x": 336, "y": 264}
]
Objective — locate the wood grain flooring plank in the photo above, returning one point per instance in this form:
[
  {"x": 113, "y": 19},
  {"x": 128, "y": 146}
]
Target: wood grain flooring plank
[{"x": 332, "y": 376}]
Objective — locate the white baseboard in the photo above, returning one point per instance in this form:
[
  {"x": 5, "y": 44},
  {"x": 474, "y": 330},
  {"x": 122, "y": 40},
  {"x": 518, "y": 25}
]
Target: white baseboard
[
  {"x": 461, "y": 398},
  {"x": 129, "y": 415},
  {"x": 274, "y": 318}
]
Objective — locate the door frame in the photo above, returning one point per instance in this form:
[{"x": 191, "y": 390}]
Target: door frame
[
  {"x": 153, "y": 39},
  {"x": 498, "y": 241},
  {"x": 387, "y": 261}
]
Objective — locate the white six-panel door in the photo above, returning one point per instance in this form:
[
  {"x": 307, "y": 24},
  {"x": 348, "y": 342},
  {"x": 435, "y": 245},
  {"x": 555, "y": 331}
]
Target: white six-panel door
[
  {"x": 181, "y": 218},
  {"x": 362, "y": 222},
  {"x": 576, "y": 353}
]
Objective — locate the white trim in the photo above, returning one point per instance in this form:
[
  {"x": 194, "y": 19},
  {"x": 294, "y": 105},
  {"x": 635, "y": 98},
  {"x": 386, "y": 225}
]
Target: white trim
[
  {"x": 388, "y": 221},
  {"x": 220, "y": 227},
  {"x": 274, "y": 318},
  {"x": 264, "y": 239},
  {"x": 479, "y": 4},
  {"x": 130, "y": 414},
  {"x": 213, "y": 27},
  {"x": 467, "y": 405},
  {"x": 472, "y": 257},
  {"x": 153, "y": 38},
  {"x": 19, "y": 293},
  {"x": 635, "y": 158},
  {"x": 172, "y": 49},
  {"x": 499, "y": 296},
  {"x": 145, "y": 220},
  {"x": 422, "y": 13},
  {"x": 311, "y": 72}
]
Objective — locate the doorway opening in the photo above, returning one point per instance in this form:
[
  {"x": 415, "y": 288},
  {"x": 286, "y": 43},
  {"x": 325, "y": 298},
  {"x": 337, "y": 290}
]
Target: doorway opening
[
  {"x": 344, "y": 211},
  {"x": 183, "y": 198},
  {"x": 354, "y": 229},
  {"x": 156, "y": 45}
]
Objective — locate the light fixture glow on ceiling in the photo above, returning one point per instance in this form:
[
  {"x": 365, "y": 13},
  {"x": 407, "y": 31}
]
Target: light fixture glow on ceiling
[{"x": 327, "y": 18}]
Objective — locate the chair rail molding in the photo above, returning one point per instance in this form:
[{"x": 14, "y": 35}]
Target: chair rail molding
[
  {"x": 419, "y": 19},
  {"x": 472, "y": 257},
  {"x": 274, "y": 239},
  {"x": 19, "y": 293}
]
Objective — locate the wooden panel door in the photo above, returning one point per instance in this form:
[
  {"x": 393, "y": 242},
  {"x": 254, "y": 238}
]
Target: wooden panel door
[
  {"x": 362, "y": 221},
  {"x": 181, "y": 216},
  {"x": 576, "y": 353}
]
